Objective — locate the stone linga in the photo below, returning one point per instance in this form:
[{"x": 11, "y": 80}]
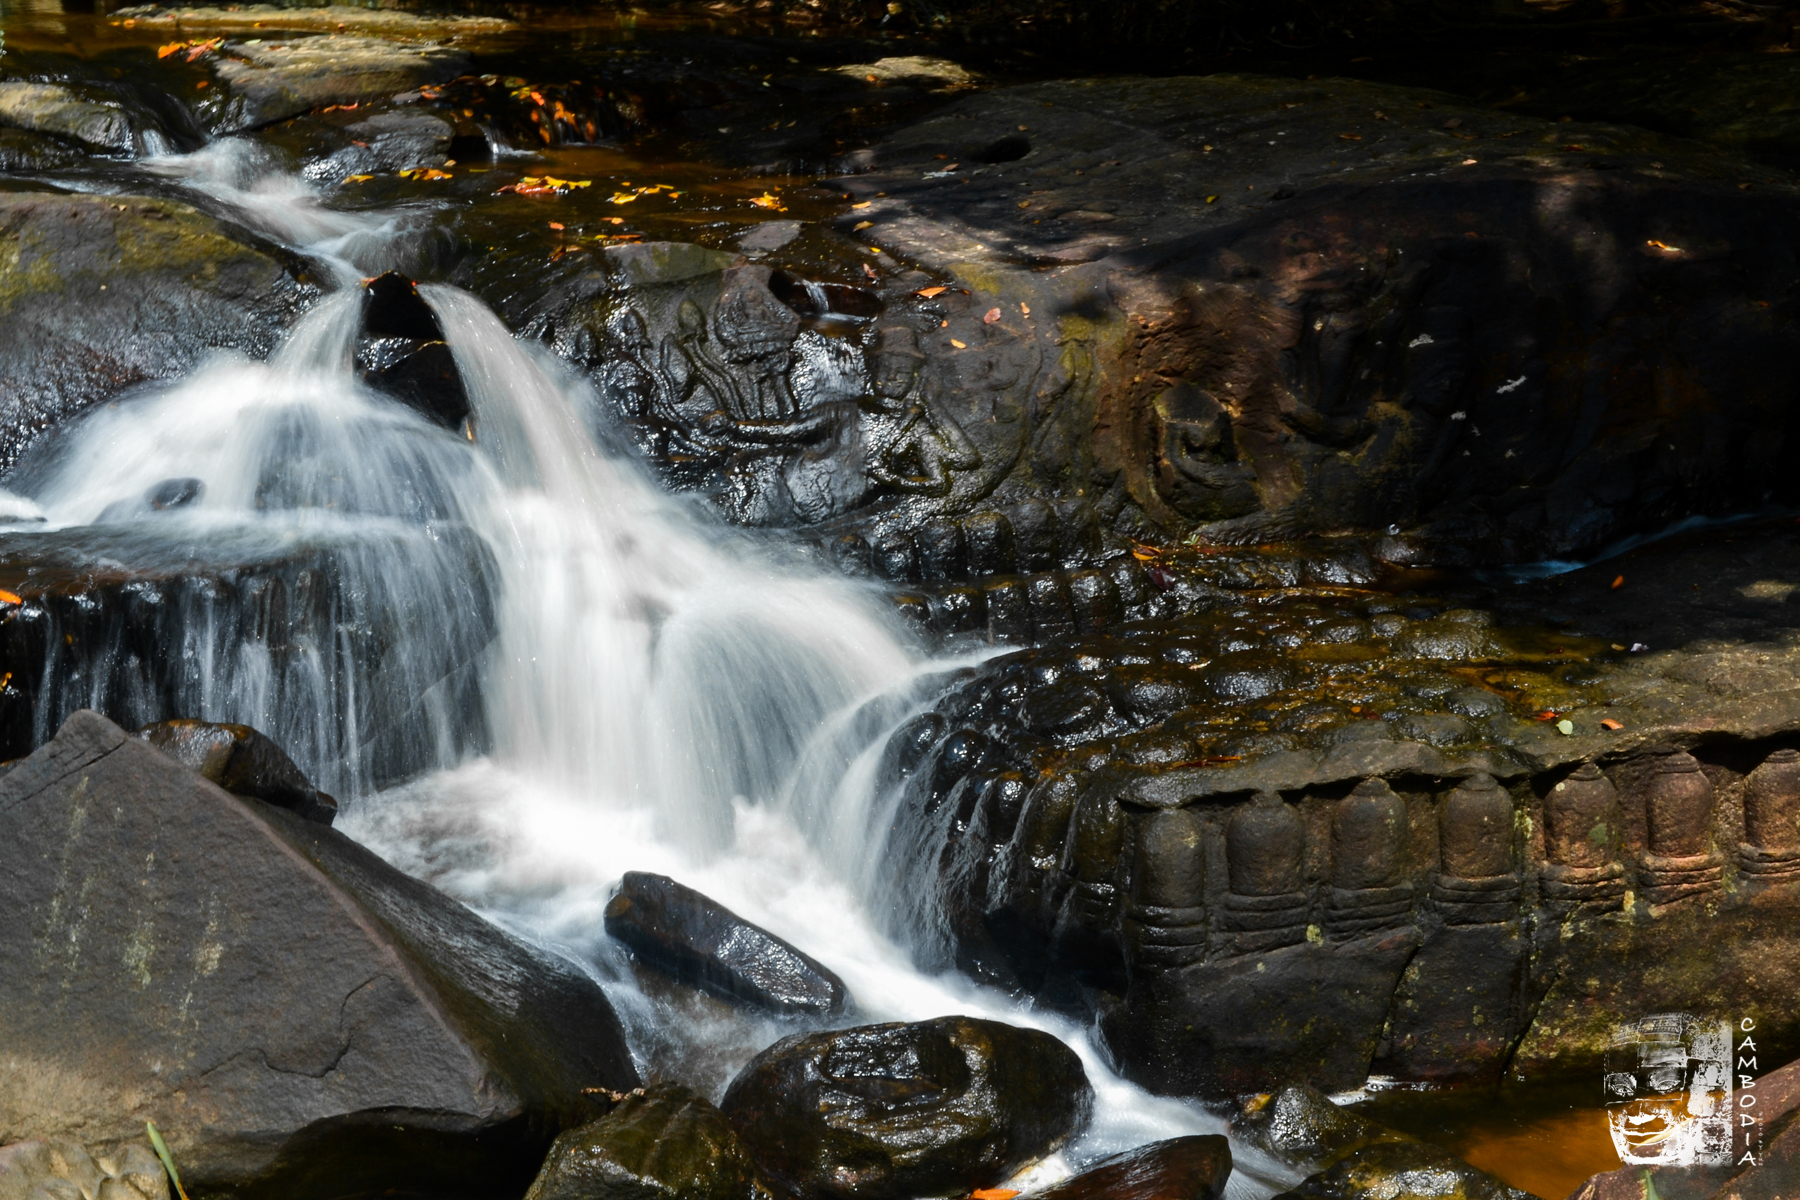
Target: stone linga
[
  {"x": 296, "y": 1016},
  {"x": 885, "y": 1112}
]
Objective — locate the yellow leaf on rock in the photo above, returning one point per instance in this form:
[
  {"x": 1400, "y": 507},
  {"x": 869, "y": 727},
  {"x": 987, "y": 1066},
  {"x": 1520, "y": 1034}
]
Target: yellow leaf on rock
[
  {"x": 356, "y": 178},
  {"x": 959, "y": 345},
  {"x": 862, "y": 225}
]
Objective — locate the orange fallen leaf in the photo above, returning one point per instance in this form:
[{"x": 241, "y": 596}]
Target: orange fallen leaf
[
  {"x": 862, "y": 225},
  {"x": 992, "y": 1194},
  {"x": 929, "y": 292},
  {"x": 10, "y": 598},
  {"x": 1619, "y": 581},
  {"x": 768, "y": 200},
  {"x": 357, "y": 178},
  {"x": 1351, "y": 137},
  {"x": 959, "y": 345},
  {"x": 1609, "y": 723},
  {"x": 1024, "y": 309},
  {"x": 990, "y": 316},
  {"x": 862, "y": 204},
  {"x": 1546, "y": 716},
  {"x": 556, "y": 225}
]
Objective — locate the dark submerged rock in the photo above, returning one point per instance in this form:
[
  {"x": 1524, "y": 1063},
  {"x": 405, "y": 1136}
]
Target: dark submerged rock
[
  {"x": 243, "y": 762},
  {"x": 1185, "y": 1168},
  {"x": 661, "y": 1143},
  {"x": 706, "y": 945},
  {"x": 402, "y": 353},
  {"x": 886, "y": 1112},
  {"x": 297, "y": 1016}
]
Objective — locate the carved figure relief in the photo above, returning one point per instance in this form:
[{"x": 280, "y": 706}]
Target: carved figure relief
[{"x": 786, "y": 438}]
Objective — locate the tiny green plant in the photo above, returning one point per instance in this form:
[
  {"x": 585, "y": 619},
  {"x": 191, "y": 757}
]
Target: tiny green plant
[{"x": 168, "y": 1160}]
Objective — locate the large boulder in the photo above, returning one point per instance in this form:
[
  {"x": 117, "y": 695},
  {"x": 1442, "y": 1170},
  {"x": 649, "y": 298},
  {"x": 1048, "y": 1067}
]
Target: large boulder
[
  {"x": 98, "y": 293},
  {"x": 887, "y": 1112},
  {"x": 661, "y": 1143},
  {"x": 296, "y": 1016},
  {"x": 702, "y": 943}
]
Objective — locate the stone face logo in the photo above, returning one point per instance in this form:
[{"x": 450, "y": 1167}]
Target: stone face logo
[{"x": 1668, "y": 1091}]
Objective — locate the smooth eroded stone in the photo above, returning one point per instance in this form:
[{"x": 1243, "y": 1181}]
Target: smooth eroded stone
[
  {"x": 665, "y": 1143},
  {"x": 297, "y": 1016},
  {"x": 243, "y": 762},
  {"x": 1184, "y": 1168},
  {"x": 702, "y": 943},
  {"x": 266, "y": 80},
  {"x": 1678, "y": 805},
  {"x": 1582, "y": 815},
  {"x": 1264, "y": 845},
  {"x": 1368, "y": 837},
  {"x": 1772, "y": 802},
  {"x": 1477, "y": 830},
  {"x": 895, "y": 1111}
]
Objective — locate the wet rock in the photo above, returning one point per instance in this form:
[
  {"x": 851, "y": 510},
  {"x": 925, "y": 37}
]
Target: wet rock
[
  {"x": 98, "y": 293},
  {"x": 1402, "y": 1171},
  {"x": 702, "y": 943},
  {"x": 25, "y": 153},
  {"x": 889, "y": 1111},
  {"x": 63, "y": 1170},
  {"x": 664, "y": 1141},
  {"x": 263, "y": 81},
  {"x": 243, "y": 762},
  {"x": 1254, "y": 414},
  {"x": 94, "y": 121},
  {"x": 1185, "y": 1168},
  {"x": 100, "y": 609},
  {"x": 402, "y": 353},
  {"x": 296, "y": 1015},
  {"x": 1350, "y": 1157}
]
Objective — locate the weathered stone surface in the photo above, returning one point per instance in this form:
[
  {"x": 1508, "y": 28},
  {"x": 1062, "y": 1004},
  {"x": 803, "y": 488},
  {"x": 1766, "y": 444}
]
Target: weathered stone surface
[
  {"x": 663, "y": 1143},
  {"x": 62, "y": 1170},
  {"x": 1185, "y": 1168},
  {"x": 930, "y": 1108},
  {"x": 702, "y": 943},
  {"x": 295, "y": 1015},
  {"x": 1299, "y": 835},
  {"x": 243, "y": 762},
  {"x": 1303, "y": 306},
  {"x": 263, "y": 81},
  {"x": 1350, "y": 1157},
  {"x": 98, "y": 293}
]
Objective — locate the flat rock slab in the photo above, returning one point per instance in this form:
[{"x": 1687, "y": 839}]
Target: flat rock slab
[
  {"x": 260, "y": 82},
  {"x": 703, "y": 943},
  {"x": 296, "y": 1016},
  {"x": 98, "y": 293}
]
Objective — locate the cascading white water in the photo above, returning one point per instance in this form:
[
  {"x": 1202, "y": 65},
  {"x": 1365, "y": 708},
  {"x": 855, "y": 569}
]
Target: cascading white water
[{"x": 661, "y": 695}]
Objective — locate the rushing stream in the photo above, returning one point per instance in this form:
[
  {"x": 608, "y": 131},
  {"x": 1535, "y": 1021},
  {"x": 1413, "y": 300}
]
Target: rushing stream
[{"x": 661, "y": 694}]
